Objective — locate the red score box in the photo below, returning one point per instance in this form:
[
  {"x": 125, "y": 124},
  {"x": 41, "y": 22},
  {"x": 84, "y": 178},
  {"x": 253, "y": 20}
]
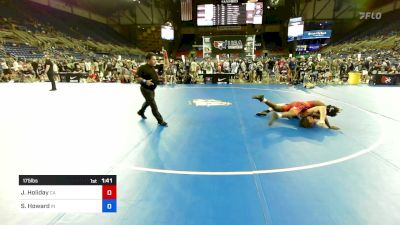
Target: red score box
[{"x": 109, "y": 191}]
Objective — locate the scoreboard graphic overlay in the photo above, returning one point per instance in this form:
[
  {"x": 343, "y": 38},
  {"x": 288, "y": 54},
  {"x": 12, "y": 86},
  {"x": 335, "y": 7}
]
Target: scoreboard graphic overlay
[{"x": 68, "y": 193}]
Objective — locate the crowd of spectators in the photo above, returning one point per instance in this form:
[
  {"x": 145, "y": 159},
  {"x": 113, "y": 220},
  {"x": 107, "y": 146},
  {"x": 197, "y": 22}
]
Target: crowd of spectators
[
  {"x": 317, "y": 68},
  {"x": 332, "y": 68},
  {"x": 93, "y": 70}
]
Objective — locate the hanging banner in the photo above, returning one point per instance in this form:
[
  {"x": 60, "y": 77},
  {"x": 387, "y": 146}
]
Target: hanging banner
[
  {"x": 316, "y": 34},
  {"x": 301, "y": 48},
  {"x": 313, "y": 47}
]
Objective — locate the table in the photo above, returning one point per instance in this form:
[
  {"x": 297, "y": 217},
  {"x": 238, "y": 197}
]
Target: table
[
  {"x": 217, "y": 77},
  {"x": 68, "y": 76},
  {"x": 385, "y": 79}
]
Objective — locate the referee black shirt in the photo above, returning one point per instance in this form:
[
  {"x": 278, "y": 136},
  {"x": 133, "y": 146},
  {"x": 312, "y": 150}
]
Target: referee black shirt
[
  {"x": 50, "y": 63},
  {"x": 148, "y": 72}
]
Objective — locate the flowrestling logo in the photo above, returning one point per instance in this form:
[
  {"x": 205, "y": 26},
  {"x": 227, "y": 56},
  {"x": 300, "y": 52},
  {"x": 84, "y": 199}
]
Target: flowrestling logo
[
  {"x": 209, "y": 102},
  {"x": 370, "y": 15}
]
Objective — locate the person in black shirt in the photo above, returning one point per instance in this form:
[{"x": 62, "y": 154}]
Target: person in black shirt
[
  {"x": 50, "y": 72},
  {"x": 148, "y": 79}
]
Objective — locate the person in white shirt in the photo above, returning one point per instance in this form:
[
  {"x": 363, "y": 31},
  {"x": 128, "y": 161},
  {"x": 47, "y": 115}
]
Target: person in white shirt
[
  {"x": 226, "y": 66},
  {"x": 96, "y": 68},
  {"x": 234, "y": 67},
  {"x": 209, "y": 66},
  {"x": 118, "y": 66},
  {"x": 252, "y": 71},
  {"x": 15, "y": 66},
  {"x": 4, "y": 71},
  {"x": 87, "y": 66},
  {"x": 193, "y": 70},
  {"x": 3, "y": 65},
  {"x": 383, "y": 67},
  {"x": 55, "y": 68}
]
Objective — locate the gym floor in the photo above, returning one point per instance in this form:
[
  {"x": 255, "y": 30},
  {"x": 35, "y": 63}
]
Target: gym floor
[{"x": 216, "y": 163}]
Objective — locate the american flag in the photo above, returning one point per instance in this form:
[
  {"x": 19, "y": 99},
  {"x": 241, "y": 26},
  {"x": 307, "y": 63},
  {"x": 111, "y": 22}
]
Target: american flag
[{"x": 186, "y": 10}]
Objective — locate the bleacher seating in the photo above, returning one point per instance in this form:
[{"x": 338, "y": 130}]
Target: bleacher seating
[
  {"x": 42, "y": 27},
  {"x": 389, "y": 23},
  {"x": 72, "y": 25},
  {"x": 22, "y": 51},
  {"x": 372, "y": 37}
]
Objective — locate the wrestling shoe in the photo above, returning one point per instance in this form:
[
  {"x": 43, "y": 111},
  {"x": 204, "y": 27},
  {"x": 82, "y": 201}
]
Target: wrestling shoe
[
  {"x": 163, "y": 123},
  {"x": 142, "y": 115},
  {"x": 263, "y": 113},
  {"x": 259, "y": 97},
  {"x": 274, "y": 117}
]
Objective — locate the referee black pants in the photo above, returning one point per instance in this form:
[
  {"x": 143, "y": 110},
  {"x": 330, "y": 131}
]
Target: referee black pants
[
  {"x": 150, "y": 101},
  {"x": 51, "y": 79}
]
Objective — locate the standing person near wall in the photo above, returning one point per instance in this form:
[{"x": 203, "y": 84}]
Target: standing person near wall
[{"x": 49, "y": 70}]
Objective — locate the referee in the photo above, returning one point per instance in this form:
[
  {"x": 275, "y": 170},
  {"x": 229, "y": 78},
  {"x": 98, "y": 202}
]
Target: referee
[{"x": 148, "y": 79}]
